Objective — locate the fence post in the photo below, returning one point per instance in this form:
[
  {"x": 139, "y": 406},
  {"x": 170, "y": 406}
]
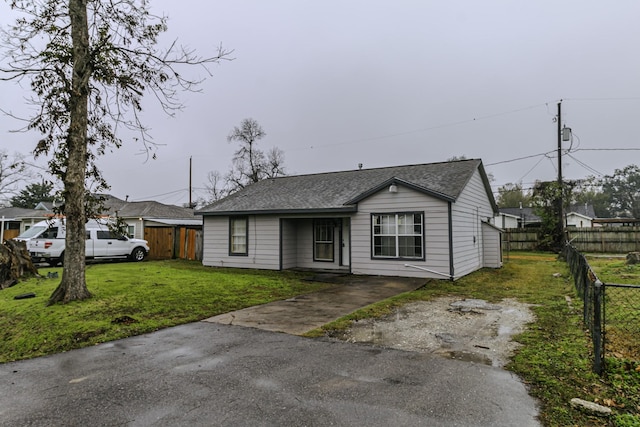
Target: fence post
[{"x": 598, "y": 336}]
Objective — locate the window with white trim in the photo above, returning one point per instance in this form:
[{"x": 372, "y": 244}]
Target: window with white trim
[
  {"x": 398, "y": 235},
  {"x": 323, "y": 246},
  {"x": 238, "y": 235}
]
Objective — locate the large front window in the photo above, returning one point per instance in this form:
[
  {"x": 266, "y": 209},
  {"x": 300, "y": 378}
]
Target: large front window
[
  {"x": 398, "y": 235},
  {"x": 238, "y": 235},
  {"x": 323, "y": 249}
]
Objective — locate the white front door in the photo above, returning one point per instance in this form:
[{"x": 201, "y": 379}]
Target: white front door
[{"x": 346, "y": 241}]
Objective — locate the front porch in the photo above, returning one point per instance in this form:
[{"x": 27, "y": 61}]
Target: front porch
[{"x": 315, "y": 244}]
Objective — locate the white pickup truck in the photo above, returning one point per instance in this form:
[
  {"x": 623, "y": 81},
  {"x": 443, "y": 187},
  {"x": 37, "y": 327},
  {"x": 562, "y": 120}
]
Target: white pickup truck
[{"x": 48, "y": 242}]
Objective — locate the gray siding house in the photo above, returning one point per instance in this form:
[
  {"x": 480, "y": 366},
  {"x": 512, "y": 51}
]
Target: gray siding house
[{"x": 426, "y": 220}]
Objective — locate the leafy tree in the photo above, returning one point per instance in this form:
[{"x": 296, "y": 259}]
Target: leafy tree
[
  {"x": 623, "y": 191},
  {"x": 13, "y": 171},
  {"x": 512, "y": 195},
  {"x": 545, "y": 199},
  {"x": 89, "y": 63},
  {"x": 250, "y": 164},
  {"x": 33, "y": 194}
]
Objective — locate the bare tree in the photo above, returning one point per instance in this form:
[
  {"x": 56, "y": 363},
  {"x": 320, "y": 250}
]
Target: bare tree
[
  {"x": 250, "y": 164},
  {"x": 215, "y": 187},
  {"x": 89, "y": 63},
  {"x": 274, "y": 165},
  {"x": 13, "y": 172}
]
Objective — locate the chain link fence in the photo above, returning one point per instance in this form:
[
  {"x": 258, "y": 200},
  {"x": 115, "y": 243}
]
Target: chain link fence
[
  {"x": 591, "y": 291},
  {"x": 611, "y": 312},
  {"x": 622, "y": 320}
]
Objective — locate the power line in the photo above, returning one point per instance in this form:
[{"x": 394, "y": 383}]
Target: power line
[
  {"x": 584, "y": 165},
  {"x": 632, "y": 98},
  {"x": 520, "y": 158},
  {"x": 411, "y": 132},
  {"x": 606, "y": 149},
  {"x": 163, "y": 194}
]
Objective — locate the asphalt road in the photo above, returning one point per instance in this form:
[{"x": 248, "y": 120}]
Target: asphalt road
[{"x": 208, "y": 374}]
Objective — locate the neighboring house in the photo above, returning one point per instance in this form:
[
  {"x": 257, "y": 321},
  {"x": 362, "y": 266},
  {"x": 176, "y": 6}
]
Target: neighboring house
[
  {"x": 517, "y": 217},
  {"x": 45, "y": 206},
  {"x": 141, "y": 215},
  {"x": 580, "y": 216},
  {"x": 172, "y": 231},
  {"x": 505, "y": 220},
  {"x": 428, "y": 220},
  {"x": 577, "y": 220},
  {"x": 11, "y": 221},
  {"x": 16, "y": 221}
]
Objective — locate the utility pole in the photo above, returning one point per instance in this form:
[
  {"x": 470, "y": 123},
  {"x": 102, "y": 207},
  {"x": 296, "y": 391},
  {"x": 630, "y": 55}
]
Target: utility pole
[
  {"x": 190, "y": 170},
  {"x": 560, "y": 227}
]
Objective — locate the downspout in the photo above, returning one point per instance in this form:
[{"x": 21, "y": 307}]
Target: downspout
[
  {"x": 430, "y": 271},
  {"x": 451, "y": 266}
]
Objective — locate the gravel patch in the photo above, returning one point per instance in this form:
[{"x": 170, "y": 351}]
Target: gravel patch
[{"x": 466, "y": 329}]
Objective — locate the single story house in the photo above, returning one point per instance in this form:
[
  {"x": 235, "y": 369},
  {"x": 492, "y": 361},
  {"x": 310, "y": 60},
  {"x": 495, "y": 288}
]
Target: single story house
[
  {"x": 524, "y": 217},
  {"x": 580, "y": 216},
  {"x": 16, "y": 221},
  {"x": 576, "y": 215},
  {"x": 172, "y": 231},
  {"x": 426, "y": 220},
  {"x": 505, "y": 220}
]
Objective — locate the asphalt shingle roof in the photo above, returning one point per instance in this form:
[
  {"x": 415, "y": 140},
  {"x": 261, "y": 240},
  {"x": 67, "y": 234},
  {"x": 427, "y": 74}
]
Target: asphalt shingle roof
[
  {"x": 340, "y": 190},
  {"x": 14, "y": 213}
]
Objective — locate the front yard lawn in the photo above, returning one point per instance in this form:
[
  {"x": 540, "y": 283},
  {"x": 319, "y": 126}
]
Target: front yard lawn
[{"x": 132, "y": 299}]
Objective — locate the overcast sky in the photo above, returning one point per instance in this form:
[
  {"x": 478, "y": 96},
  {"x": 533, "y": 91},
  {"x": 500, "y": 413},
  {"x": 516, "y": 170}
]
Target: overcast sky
[{"x": 383, "y": 83}]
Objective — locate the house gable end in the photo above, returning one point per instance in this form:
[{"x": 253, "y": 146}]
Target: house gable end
[{"x": 398, "y": 181}]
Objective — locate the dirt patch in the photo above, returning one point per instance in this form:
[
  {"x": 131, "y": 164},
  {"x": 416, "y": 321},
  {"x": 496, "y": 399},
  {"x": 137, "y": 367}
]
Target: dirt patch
[{"x": 466, "y": 329}]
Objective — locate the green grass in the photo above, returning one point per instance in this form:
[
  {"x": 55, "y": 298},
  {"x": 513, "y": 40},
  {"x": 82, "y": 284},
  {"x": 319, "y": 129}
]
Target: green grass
[
  {"x": 556, "y": 358},
  {"x": 131, "y": 299}
]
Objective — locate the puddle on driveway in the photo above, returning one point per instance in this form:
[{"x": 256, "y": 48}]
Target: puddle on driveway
[{"x": 463, "y": 329}]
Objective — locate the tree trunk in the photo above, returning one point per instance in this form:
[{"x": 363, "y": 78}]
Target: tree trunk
[
  {"x": 15, "y": 262},
  {"x": 73, "y": 285}
]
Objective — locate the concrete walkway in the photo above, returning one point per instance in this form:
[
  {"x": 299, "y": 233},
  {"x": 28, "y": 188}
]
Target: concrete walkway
[{"x": 310, "y": 311}]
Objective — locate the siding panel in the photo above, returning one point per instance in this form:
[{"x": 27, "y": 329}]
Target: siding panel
[
  {"x": 468, "y": 212},
  {"x": 405, "y": 200},
  {"x": 264, "y": 251}
]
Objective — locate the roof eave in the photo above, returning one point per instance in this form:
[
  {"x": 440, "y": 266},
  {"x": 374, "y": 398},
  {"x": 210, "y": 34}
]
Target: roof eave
[{"x": 345, "y": 209}]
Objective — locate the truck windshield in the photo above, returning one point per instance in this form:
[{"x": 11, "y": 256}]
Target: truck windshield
[{"x": 32, "y": 232}]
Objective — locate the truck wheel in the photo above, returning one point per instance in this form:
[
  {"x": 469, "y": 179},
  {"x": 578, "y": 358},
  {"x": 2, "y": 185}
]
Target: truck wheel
[
  {"x": 138, "y": 254},
  {"x": 57, "y": 261}
]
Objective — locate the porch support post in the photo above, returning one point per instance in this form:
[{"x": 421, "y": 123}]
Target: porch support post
[{"x": 280, "y": 243}]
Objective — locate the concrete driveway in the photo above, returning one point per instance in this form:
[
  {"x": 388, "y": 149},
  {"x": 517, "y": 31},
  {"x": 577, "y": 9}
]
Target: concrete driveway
[
  {"x": 310, "y": 311},
  {"x": 211, "y": 374}
]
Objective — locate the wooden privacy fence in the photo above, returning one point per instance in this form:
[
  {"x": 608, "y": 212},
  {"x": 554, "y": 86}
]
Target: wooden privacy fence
[
  {"x": 599, "y": 240},
  {"x": 174, "y": 242},
  {"x": 10, "y": 234}
]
